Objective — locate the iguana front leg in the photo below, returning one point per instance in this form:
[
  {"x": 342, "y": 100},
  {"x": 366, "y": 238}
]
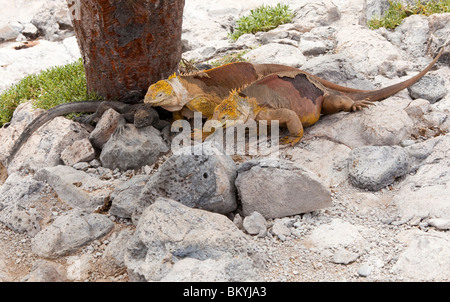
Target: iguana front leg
[{"x": 285, "y": 117}]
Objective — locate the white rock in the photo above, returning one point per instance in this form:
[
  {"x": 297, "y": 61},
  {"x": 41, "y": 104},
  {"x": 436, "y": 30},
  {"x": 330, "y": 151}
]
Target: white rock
[
  {"x": 276, "y": 54},
  {"x": 19, "y": 63},
  {"x": 363, "y": 46},
  {"x": 337, "y": 233},
  {"x": 75, "y": 187},
  {"x": 426, "y": 256}
]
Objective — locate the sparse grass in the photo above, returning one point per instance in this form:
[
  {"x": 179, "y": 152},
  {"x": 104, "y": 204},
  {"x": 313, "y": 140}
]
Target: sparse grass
[
  {"x": 232, "y": 58},
  {"x": 263, "y": 18},
  {"x": 54, "y": 86},
  {"x": 394, "y": 16}
]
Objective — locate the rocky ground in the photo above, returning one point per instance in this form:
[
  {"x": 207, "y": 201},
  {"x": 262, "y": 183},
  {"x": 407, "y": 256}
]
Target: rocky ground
[{"x": 363, "y": 197}]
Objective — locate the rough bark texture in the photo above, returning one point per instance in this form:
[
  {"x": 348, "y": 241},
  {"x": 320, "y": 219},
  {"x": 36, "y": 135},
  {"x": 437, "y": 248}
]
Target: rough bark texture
[{"x": 127, "y": 45}]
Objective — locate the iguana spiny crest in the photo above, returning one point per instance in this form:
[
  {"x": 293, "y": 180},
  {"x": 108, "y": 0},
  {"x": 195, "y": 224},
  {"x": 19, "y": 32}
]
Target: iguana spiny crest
[{"x": 234, "y": 109}]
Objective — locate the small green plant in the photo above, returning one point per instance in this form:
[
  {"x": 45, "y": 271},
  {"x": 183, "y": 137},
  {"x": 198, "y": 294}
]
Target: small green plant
[
  {"x": 263, "y": 18},
  {"x": 394, "y": 16},
  {"x": 54, "y": 86},
  {"x": 231, "y": 58}
]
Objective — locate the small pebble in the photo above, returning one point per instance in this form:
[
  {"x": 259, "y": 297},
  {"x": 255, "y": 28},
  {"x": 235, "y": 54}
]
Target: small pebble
[{"x": 364, "y": 270}]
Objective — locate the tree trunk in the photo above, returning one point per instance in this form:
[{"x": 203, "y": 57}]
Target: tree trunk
[{"x": 127, "y": 45}]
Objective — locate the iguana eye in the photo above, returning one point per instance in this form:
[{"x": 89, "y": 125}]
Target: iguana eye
[{"x": 160, "y": 95}]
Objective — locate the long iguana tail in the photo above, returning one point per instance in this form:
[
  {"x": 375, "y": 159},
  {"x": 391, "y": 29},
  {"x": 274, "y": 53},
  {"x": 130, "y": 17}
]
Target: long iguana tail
[
  {"x": 63, "y": 109},
  {"x": 380, "y": 94}
]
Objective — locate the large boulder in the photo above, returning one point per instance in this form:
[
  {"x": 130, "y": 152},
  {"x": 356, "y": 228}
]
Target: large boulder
[
  {"x": 130, "y": 147},
  {"x": 277, "y": 188},
  {"x": 200, "y": 177},
  {"x": 173, "y": 242},
  {"x": 70, "y": 232}
]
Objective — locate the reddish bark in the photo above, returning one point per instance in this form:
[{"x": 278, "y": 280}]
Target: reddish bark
[{"x": 127, "y": 45}]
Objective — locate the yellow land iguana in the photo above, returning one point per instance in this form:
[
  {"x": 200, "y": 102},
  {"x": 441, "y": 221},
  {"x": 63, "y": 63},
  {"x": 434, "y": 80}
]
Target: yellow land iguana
[
  {"x": 204, "y": 90},
  {"x": 297, "y": 100}
]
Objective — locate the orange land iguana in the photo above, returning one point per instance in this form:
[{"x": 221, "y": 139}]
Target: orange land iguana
[
  {"x": 204, "y": 90},
  {"x": 297, "y": 100},
  {"x": 140, "y": 114}
]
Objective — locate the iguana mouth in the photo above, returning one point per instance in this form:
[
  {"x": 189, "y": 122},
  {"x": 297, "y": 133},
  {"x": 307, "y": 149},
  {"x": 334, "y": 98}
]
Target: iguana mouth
[{"x": 170, "y": 100}]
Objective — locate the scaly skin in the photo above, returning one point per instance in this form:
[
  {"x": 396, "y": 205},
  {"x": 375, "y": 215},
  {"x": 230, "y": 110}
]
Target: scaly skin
[
  {"x": 204, "y": 90},
  {"x": 297, "y": 100}
]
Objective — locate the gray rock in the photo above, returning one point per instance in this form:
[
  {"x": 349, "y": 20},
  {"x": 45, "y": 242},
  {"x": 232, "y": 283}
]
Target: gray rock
[
  {"x": 75, "y": 187},
  {"x": 83, "y": 166},
  {"x": 53, "y": 20},
  {"x": 104, "y": 128},
  {"x": 112, "y": 260},
  {"x": 413, "y": 34},
  {"x": 425, "y": 193},
  {"x": 364, "y": 270},
  {"x": 255, "y": 224},
  {"x": 317, "y": 13},
  {"x": 20, "y": 220},
  {"x": 440, "y": 33},
  {"x": 125, "y": 196},
  {"x": 336, "y": 68},
  {"x": 276, "y": 54},
  {"x": 318, "y": 41},
  {"x": 280, "y": 230},
  {"x": 171, "y": 239},
  {"x": 374, "y": 8},
  {"x": 70, "y": 232},
  {"x": 382, "y": 125},
  {"x": 343, "y": 256},
  {"x": 79, "y": 151},
  {"x": 427, "y": 253},
  {"x": 30, "y": 31},
  {"x": 430, "y": 87},
  {"x": 46, "y": 271},
  {"x": 439, "y": 223},
  {"x": 337, "y": 234},
  {"x": 367, "y": 49},
  {"x": 16, "y": 196},
  {"x": 130, "y": 148},
  {"x": 10, "y": 31},
  {"x": 202, "y": 177},
  {"x": 374, "y": 167},
  {"x": 44, "y": 147},
  {"x": 212, "y": 270},
  {"x": 271, "y": 187},
  {"x": 284, "y": 34}
]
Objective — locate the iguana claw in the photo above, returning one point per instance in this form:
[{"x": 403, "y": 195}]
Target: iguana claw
[
  {"x": 361, "y": 104},
  {"x": 293, "y": 140}
]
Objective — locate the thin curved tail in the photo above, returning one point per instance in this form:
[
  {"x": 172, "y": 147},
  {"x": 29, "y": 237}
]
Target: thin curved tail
[
  {"x": 380, "y": 94},
  {"x": 63, "y": 109}
]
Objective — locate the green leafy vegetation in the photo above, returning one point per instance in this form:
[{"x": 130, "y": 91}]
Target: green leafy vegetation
[
  {"x": 263, "y": 18},
  {"x": 397, "y": 11},
  {"x": 54, "y": 86}
]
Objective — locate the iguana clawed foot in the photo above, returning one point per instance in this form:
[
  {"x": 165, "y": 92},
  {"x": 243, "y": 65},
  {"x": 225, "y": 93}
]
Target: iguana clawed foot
[
  {"x": 361, "y": 104},
  {"x": 290, "y": 139}
]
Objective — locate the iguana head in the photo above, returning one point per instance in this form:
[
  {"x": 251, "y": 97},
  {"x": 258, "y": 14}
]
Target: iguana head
[
  {"x": 169, "y": 94},
  {"x": 234, "y": 109}
]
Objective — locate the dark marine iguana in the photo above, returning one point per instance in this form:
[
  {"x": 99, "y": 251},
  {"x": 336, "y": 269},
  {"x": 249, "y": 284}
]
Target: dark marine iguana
[
  {"x": 141, "y": 115},
  {"x": 296, "y": 100}
]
